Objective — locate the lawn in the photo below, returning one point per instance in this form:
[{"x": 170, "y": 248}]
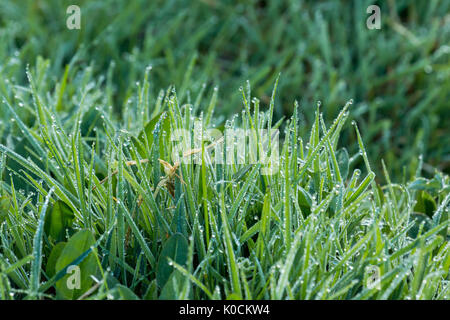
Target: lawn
[{"x": 224, "y": 150}]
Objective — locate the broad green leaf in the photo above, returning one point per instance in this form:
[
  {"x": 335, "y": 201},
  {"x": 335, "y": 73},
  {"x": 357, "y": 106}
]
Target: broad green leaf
[
  {"x": 53, "y": 258},
  {"x": 152, "y": 291},
  {"x": 77, "y": 244},
  {"x": 58, "y": 220},
  {"x": 148, "y": 134},
  {"x": 172, "y": 287},
  {"x": 175, "y": 248},
  {"x": 424, "y": 184},
  {"x": 304, "y": 201},
  {"x": 125, "y": 293},
  {"x": 425, "y": 204}
]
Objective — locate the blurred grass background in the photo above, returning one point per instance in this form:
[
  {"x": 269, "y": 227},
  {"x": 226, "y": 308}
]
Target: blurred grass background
[{"x": 398, "y": 76}]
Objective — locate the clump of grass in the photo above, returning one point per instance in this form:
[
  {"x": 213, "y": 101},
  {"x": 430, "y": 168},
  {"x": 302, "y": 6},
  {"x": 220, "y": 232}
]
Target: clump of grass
[{"x": 212, "y": 231}]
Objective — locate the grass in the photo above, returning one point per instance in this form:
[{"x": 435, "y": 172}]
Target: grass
[
  {"x": 211, "y": 231},
  {"x": 396, "y": 75},
  {"x": 90, "y": 189}
]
